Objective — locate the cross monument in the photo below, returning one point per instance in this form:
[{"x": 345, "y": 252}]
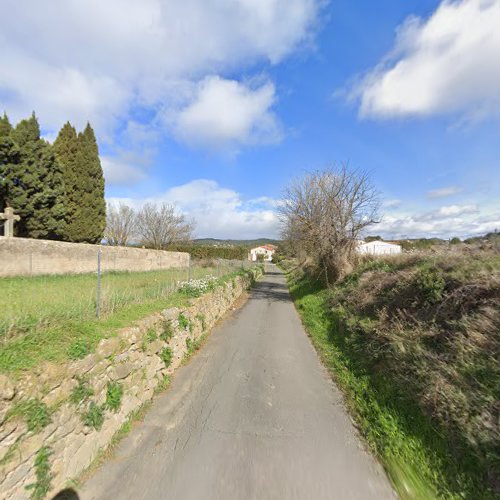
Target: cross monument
[{"x": 9, "y": 218}]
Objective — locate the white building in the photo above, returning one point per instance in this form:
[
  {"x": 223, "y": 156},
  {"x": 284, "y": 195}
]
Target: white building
[
  {"x": 266, "y": 250},
  {"x": 378, "y": 248}
]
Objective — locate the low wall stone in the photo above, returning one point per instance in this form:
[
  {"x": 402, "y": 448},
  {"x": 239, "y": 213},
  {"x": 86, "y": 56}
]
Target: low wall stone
[
  {"x": 27, "y": 257},
  {"x": 132, "y": 360}
]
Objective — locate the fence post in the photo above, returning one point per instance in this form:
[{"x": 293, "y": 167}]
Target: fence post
[
  {"x": 189, "y": 267},
  {"x": 98, "y": 291}
]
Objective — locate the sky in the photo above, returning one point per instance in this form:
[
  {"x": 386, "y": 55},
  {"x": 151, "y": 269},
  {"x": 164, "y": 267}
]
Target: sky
[{"x": 215, "y": 105}]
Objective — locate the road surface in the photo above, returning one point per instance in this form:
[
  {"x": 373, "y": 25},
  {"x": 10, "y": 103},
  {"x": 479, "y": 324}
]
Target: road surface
[{"x": 252, "y": 416}]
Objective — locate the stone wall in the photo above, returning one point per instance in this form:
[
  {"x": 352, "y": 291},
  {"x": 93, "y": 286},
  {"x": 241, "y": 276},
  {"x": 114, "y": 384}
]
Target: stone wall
[
  {"x": 27, "y": 257},
  {"x": 69, "y": 397}
]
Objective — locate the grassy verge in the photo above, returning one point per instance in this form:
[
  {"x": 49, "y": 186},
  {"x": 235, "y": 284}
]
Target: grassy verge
[
  {"x": 416, "y": 451},
  {"x": 42, "y": 301},
  {"x": 73, "y": 338}
]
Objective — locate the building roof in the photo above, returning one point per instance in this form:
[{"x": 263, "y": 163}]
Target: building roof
[
  {"x": 269, "y": 248},
  {"x": 379, "y": 243}
]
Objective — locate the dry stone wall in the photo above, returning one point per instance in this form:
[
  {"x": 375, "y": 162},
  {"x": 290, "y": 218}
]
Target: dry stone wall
[
  {"x": 27, "y": 257},
  {"x": 77, "y": 407}
]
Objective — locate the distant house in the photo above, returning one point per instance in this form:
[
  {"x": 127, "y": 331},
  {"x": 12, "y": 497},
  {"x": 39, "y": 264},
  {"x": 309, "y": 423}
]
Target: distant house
[
  {"x": 266, "y": 250},
  {"x": 378, "y": 248}
]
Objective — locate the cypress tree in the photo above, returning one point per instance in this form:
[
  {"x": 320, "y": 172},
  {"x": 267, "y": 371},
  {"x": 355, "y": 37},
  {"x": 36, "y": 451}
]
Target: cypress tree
[
  {"x": 34, "y": 184},
  {"x": 90, "y": 219},
  {"x": 9, "y": 157},
  {"x": 66, "y": 148}
]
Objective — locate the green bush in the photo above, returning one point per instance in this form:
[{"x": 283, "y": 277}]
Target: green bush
[
  {"x": 189, "y": 344},
  {"x": 151, "y": 335},
  {"x": 183, "y": 321},
  {"x": 94, "y": 417},
  {"x": 430, "y": 283},
  {"x": 114, "y": 396},
  {"x": 81, "y": 392},
  {"x": 166, "y": 356},
  {"x": 212, "y": 252},
  {"x": 167, "y": 331}
]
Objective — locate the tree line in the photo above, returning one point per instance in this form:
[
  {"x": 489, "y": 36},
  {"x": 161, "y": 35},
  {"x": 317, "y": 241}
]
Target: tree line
[{"x": 57, "y": 189}]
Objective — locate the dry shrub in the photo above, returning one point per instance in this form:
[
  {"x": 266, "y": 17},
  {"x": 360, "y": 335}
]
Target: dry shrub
[{"x": 431, "y": 324}]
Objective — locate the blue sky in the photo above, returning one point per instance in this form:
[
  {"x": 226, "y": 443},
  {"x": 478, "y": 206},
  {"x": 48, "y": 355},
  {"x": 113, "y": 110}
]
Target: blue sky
[{"x": 216, "y": 105}]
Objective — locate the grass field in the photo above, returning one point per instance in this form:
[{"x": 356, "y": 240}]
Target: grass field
[{"x": 53, "y": 318}]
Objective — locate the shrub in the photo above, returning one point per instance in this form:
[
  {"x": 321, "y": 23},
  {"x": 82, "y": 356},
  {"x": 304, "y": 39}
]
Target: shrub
[
  {"x": 42, "y": 471},
  {"x": 166, "y": 356},
  {"x": 114, "y": 396},
  {"x": 94, "y": 417},
  {"x": 430, "y": 284},
  {"x": 79, "y": 349},
  {"x": 167, "y": 331},
  {"x": 81, "y": 392},
  {"x": 189, "y": 344},
  {"x": 183, "y": 321},
  {"x": 212, "y": 252},
  {"x": 151, "y": 335}
]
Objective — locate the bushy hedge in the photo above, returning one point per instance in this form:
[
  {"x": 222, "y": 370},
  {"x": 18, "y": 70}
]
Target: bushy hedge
[{"x": 211, "y": 252}]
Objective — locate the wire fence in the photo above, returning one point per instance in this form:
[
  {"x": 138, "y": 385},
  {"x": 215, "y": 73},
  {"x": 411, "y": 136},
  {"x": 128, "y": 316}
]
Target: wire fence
[{"x": 33, "y": 302}]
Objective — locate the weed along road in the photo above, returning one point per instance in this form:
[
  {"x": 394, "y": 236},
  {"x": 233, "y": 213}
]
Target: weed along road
[{"x": 253, "y": 415}]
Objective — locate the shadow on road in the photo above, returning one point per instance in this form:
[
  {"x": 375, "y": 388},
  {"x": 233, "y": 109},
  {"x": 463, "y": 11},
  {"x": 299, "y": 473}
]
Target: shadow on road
[{"x": 271, "y": 291}]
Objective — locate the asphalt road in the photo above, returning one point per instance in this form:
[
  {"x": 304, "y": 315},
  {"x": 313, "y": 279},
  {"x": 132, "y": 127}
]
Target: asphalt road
[{"x": 253, "y": 415}]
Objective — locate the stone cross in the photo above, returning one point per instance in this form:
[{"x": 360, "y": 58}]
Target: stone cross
[{"x": 9, "y": 217}]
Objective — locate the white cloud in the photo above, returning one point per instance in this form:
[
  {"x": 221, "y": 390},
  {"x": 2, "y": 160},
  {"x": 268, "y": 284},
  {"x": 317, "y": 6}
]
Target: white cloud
[
  {"x": 96, "y": 60},
  {"x": 445, "y": 222},
  {"x": 218, "y": 212},
  {"x": 455, "y": 210},
  {"x": 448, "y": 63},
  {"x": 223, "y": 114},
  {"x": 391, "y": 203},
  {"x": 119, "y": 172},
  {"x": 444, "y": 192}
]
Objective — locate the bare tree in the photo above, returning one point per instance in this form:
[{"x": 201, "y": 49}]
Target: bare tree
[
  {"x": 323, "y": 214},
  {"x": 121, "y": 222},
  {"x": 159, "y": 225}
]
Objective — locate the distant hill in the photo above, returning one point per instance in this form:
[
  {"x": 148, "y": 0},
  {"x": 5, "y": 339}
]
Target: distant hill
[{"x": 235, "y": 243}]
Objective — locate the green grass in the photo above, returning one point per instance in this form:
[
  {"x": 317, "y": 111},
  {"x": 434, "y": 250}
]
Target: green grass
[
  {"x": 55, "y": 335},
  {"x": 41, "y": 487},
  {"x": 183, "y": 321},
  {"x": 43, "y": 301},
  {"x": 415, "y": 455},
  {"x": 94, "y": 416},
  {"x": 33, "y": 411},
  {"x": 166, "y": 356},
  {"x": 81, "y": 393},
  {"x": 114, "y": 394}
]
